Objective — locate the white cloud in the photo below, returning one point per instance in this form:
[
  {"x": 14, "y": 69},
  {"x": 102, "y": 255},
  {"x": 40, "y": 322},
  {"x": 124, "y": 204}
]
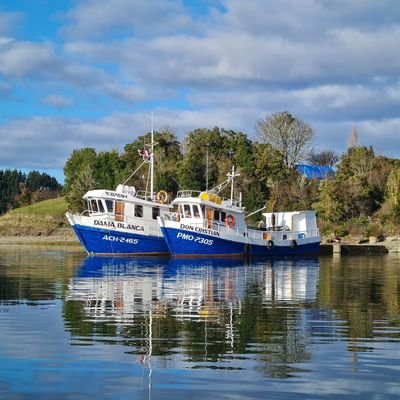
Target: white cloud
[
  {"x": 19, "y": 59},
  {"x": 94, "y": 18},
  {"x": 58, "y": 101},
  {"x": 333, "y": 64}
]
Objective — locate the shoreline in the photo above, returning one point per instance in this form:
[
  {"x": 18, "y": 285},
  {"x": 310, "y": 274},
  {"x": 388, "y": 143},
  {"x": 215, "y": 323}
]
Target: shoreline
[
  {"x": 343, "y": 248},
  {"x": 50, "y": 240}
]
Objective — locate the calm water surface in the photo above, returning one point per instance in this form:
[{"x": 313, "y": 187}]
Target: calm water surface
[{"x": 73, "y": 327}]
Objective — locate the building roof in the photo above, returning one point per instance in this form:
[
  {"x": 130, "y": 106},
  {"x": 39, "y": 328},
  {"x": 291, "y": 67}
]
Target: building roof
[{"x": 315, "y": 171}]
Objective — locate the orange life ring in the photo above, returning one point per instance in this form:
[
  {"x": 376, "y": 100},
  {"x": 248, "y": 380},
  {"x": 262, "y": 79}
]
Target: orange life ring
[{"x": 230, "y": 220}]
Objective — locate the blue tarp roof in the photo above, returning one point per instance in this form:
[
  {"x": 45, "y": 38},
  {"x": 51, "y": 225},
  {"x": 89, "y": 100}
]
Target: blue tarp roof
[{"x": 315, "y": 171}]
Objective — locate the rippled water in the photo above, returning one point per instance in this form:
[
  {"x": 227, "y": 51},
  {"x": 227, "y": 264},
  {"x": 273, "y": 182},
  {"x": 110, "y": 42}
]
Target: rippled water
[{"x": 73, "y": 327}]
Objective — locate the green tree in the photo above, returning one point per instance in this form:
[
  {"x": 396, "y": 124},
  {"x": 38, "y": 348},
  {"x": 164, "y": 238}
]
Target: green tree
[
  {"x": 393, "y": 191},
  {"x": 193, "y": 171},
  {"x": 108, "y": 169},
  {"x": 9, "y": 189},
  {"x": 84, "y": 181},
  {"x": 25, "y": 195},
  {"x": 167, "y": 155},
  {"x": 361, "y": 181},
  {"x": 79, "y": 159},
  {"x": 166, "y": 158}
]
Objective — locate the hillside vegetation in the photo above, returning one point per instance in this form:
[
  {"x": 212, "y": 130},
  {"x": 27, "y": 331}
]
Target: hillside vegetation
[{"x": 39, "y": 220}]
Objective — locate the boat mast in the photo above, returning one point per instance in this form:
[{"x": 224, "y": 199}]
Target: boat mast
[
  {"x": 233, "y": 176},
  {"x": 152, "y": 160}
]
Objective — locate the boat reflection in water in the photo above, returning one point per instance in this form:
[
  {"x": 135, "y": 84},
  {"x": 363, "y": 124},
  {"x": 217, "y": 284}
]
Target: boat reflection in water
[
  {"x": 197, "y": 313},
  {"x": 189, "y": 288}
]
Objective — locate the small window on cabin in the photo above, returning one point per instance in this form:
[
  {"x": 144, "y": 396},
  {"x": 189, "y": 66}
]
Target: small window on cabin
[
  {"x": 196, "y": 211},
  {"x": 187, "y": 212},
  {"x": 138, "y": 210},
  {"x": 156, "y": 212},
  {"x": 223, "y": 216},
  {"x": 110, "y": 206},
  {"x": 93, "y": 205},
  {"x": 216, "y": 215},
  {"x": 100, "y": 205}
]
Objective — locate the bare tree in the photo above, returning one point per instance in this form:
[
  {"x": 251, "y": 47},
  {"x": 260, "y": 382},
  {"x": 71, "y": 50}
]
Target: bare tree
[
  {"x": 326, "y": 157},
  {"x": 287, "y": 134}
]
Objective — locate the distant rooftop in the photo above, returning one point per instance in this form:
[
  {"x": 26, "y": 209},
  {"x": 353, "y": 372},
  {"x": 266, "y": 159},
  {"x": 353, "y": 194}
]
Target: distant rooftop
[{"x": 315, "y": 171}]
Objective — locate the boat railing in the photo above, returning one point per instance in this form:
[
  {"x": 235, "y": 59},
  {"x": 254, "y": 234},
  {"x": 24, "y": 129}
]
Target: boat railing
[
  {"x": 281, "y": 235},
  {"x": 145, "y": 195},
  {"x": 188, "y": 193},
  {"x": 182, "y": 194}
]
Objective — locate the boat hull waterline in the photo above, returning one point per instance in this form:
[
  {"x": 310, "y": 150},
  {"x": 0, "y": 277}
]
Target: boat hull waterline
[
  {"x": 103, "y": 242},
  {"x": 183, "y": 243}
]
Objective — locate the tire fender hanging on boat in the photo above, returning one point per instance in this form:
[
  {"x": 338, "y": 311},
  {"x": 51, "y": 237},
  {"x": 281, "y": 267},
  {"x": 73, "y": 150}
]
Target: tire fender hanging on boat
[
  {"x": 270, "y": 244},
  {"x": 293, "y": 244}
]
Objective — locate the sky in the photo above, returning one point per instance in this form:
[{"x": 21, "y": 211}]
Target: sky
[{"x": 90, "y": 73}]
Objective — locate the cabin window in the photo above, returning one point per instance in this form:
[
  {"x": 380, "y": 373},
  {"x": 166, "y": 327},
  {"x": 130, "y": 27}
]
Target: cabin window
[
  {"x": 186, "y": 211},
  {"x": 216, "y": 215},
  {"x": 101, "y": 206},
  {"x": 223, "y": 216},
  {"x": 138, "y": 210},
  {"x": 93, "y": 205},
  {"x": 119, "y": 210},
  {"x": 110, "y": 206},
  {"x": 156, "y": 212},
  {"x": 196, "y": 211}
]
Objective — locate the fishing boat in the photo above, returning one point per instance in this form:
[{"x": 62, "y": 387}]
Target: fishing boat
[
  {"x": 206, "y": 224},
  {"x": 123, "y": 221}
]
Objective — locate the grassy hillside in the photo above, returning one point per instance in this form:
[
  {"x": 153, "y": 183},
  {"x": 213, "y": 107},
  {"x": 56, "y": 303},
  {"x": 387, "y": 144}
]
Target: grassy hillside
[
  {"x": 54, "y": 207},
  {"x": 43, "y": 219}
]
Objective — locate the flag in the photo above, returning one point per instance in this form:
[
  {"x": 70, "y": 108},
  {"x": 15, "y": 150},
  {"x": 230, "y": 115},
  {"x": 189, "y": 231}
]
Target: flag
[{"x": 144, "y": 153}]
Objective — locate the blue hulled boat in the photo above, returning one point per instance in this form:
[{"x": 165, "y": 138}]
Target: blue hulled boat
[
  {"x": 123, "y": 221},
  {"x": 206, "y": 224}
]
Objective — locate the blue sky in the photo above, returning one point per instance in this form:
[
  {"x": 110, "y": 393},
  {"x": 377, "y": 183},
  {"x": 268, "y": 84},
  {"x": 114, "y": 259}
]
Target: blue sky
[{"x": 89, "y": 73}]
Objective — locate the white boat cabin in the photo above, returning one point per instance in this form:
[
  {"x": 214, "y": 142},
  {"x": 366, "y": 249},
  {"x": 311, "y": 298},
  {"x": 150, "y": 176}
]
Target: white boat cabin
[
  {"x": 125, "y": 204},
  {"x": 297, "y": 221},
  {"x": 207, "y": 210}
]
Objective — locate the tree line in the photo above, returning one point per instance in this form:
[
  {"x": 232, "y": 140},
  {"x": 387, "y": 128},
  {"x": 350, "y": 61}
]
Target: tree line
[
  {"x": 362, "y": 197},
  {"x": 18, "y": 189}
]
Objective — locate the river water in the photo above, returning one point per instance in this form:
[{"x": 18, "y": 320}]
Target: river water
[{"x": 73, "y": 327}]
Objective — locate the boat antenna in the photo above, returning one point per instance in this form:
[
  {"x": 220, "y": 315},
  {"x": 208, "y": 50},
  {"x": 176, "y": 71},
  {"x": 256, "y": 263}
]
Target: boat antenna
[
  {"x": 219, "y": 188},
  {"x": 152, "y": 160},
  {"x": 231, "y": 177},
  {"x": 207, "y": 146}
]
